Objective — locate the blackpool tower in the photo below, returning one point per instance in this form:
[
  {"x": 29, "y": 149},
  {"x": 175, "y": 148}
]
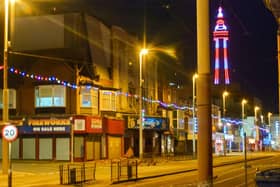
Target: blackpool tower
[{"x": 220, "y": 36}]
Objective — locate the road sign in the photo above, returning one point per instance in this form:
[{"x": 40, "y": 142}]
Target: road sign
[{"x": 9, "y": 133}]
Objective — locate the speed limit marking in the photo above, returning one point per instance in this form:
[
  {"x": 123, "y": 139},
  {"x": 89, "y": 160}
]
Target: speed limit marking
[{"x": 10, "y": 133}]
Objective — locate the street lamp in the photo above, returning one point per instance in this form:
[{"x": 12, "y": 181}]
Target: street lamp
[
  {"x": 141, "y": 54},
  {"x": 243, "y": 102},
  {"x": 269, "y": 114},
  {"x": 256, "y": 109},
  {"x": 5, "y": 109},
  {"x": 255, "y": 113},
  {"x": 195, "y": 76},
  {"x": 225, "y": 94}
]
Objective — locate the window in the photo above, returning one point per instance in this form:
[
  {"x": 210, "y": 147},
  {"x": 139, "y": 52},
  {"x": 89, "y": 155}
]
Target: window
[
  {"x": 108, "y": 100},
  {"x": 89, "y": 97},
  {"x": 50, "y": 96},
  {"x": 12, "y": 98}
]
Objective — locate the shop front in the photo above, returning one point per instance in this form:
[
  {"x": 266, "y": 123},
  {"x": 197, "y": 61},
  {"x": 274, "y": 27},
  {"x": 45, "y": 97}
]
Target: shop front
[
  {"x": 156, "y": 136},
  {"x": 114, "y": 132},
  {"x": 87, "y": 138},
  {"x": 43, "y": 139}
]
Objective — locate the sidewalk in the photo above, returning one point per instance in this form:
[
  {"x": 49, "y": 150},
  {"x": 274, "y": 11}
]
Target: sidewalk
[{"x": 46, "y": 174}]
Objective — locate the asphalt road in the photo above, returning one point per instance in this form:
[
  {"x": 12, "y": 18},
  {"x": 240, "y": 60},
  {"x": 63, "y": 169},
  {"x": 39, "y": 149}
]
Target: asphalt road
[
  {"x": 46, "y": 174},
  {"x": 232, "y": 175}
]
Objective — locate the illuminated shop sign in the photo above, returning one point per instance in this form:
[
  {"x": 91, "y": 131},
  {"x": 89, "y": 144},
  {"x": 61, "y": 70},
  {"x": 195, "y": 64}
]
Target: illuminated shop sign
[
  {"x": 150, "y": 123},
  {"x": 155, "y": 123},
  {"x": 44, "y": 129},
  {"x": 96, "y": 123},
  {"x": 46, "y": 122}
]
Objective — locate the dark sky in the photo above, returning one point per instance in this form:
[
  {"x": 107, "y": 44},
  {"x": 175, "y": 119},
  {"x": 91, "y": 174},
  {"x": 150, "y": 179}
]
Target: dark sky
[{"x": 252, "y": 44}]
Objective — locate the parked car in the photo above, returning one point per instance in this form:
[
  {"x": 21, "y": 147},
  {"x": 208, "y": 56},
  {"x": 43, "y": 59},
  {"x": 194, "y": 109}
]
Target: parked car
[{"x": 268, "y": 177}]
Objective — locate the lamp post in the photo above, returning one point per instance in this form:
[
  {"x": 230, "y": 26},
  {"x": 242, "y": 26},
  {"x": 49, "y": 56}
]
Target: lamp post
[
  {"x": 269, "y": 114},
  {"x": 225, "y": 94},
  {"x": 141, "y": 54},
  {"x": 5, "y": 109},
  {"x": 255, "y": 113},
  {"x": 243, "y": 102},
  {"x": 195, "y": 76},
  {"x": 256, "y": 109}
]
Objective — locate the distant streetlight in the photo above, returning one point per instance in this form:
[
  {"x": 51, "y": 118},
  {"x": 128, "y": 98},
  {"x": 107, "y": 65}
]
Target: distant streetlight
[
  {"x": 141, "y": 54},
  {"x": 225, "y": 94},
  {"x": 194, "y": 77},
  {"x": 269, "y": 114},
  {"x": 256, "y": 109},
  {"x": 243, "y": 102}
]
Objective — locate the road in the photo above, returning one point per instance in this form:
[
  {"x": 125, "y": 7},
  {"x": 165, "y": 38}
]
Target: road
[
  {"x": 232, "y": 175},
  {"x": 46, "y": 174}
]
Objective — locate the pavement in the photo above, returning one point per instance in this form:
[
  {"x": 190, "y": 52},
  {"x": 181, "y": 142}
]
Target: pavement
[{"x": 46, "y": 173}]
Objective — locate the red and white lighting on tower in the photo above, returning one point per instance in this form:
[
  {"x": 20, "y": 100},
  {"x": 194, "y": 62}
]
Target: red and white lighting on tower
[{"x": 220, "y": 38}]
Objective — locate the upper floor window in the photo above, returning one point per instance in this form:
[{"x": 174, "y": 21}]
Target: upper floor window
[
  {"x": 50, "y": 96},
  {"x": 89, "y": 97},
  {"x": 108, "y": 100},
  {"x": 12, "y": 98}
]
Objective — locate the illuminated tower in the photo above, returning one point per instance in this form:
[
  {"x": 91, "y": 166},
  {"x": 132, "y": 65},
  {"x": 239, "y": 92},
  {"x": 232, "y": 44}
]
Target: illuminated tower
[{"x": 220, "y": 38}]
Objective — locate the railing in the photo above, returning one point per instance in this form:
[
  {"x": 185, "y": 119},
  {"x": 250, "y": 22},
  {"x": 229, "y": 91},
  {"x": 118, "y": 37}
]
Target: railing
[
  {"x": 77, "y": 173},
  {"x": 123, "y": 170}
]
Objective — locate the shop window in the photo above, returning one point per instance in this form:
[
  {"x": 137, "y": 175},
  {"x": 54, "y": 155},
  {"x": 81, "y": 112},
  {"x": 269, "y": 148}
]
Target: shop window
[
  {"x": 89, "y": 97},
  {"x": 50, "y": 96},
  {"x": 108, "y": 100},
  {"x": 12, "y": 98}
]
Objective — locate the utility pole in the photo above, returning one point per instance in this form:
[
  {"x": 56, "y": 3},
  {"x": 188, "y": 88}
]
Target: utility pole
[{"x": 205, "y": 160}]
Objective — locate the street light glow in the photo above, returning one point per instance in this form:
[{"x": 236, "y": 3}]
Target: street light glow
[
  {"x": 225, "y": 93},
  {"x": 195, "y": 76},
  {"x": 144, "y": 51},
  {"x": 256, "y": 108},
  {"x": 244, "y": 101}
]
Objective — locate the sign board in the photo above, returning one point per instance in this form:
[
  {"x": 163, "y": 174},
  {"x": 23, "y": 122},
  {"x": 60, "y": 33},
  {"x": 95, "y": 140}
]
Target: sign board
[{"x": 9, "y": 133}]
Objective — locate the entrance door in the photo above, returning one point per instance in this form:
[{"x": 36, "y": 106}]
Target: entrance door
[
  {"x": 114, "y": 147},
  {"x": 89, "y": 149},
  {"x": 97, "y": 150}
]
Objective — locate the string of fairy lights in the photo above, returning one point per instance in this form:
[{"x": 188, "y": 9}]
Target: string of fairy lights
[{"x": 54, "y": 79}]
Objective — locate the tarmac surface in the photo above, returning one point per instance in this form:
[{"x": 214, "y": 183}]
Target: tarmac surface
[{"x": 46, "y": 173}]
